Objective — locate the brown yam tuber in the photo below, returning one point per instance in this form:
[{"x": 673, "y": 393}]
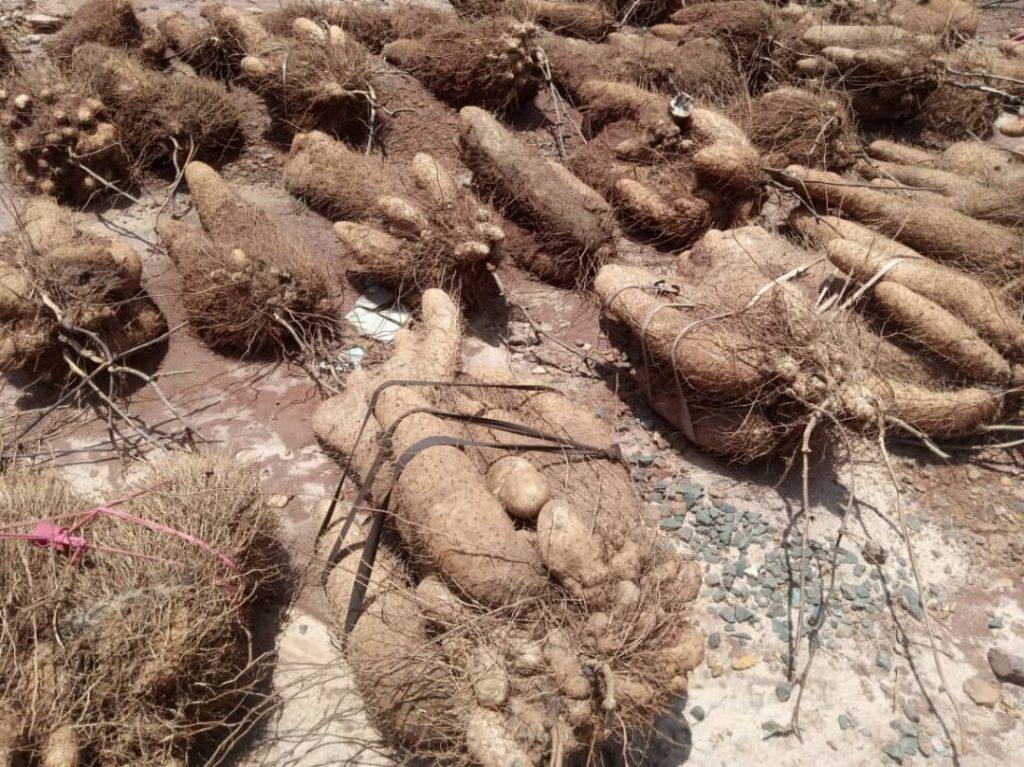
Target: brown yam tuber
[
  {"x": 943, "y": 234},
  {"x": 248, "y": 286},
  {"x": 567, "y": 215},
  {"x": 107, "y": 22},
  {"x": 490, "y": 62}
]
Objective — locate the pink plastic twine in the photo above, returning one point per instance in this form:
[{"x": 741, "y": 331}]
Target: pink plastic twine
[{"x": 46, "y": 534}]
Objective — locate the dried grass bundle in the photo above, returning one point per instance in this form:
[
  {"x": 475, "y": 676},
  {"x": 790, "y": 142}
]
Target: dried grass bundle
[
  {"x": 146, "y": 656},
  {"x": 248, "y": 287}
]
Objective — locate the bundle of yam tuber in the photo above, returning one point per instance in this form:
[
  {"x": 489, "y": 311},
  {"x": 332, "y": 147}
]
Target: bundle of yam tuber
[
  {"x": 700, "y": 67},
  {"x": 248, "y": 287},
  {"x": 312, "y": 79},
  {"x": 750, "y": 340},
  {"x": 413, "y": 227},
  {"x": 671, "y": 168},
  {"x": 107, "y": 22},
  {"x": 162, "y": 119},
  {"x": 570, "y": 226},
  {"x": 128, "y": 625},
  {"x": 62, "y": 141},
  {"x": 488, "y": 62},
  {"x": 945, "y": 221},
  {"x": 373, "y": 25},
  {"x": 519, "y": 611},
  {"x": 68, "y": 299},
  {"x": 576, "y": 18}
]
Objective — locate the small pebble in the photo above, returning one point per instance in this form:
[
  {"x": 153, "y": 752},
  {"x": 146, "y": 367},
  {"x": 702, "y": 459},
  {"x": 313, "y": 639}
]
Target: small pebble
[
  {"x": 714, "y": 640},
  {"x": 995, "y": 622},
  {"x": 783, "y": 690},
  {"x": 742, "y": 664},
  {"x": 845, "y": 722},
  {"x": 893, "y": 751},
  {"x": 727, "y": 614},
  {"x": 743, "y": 614},
  {"x": 883, "y": 660},
  {"x": 908, "y": 745},
  {"x": 698, "y": 713}
]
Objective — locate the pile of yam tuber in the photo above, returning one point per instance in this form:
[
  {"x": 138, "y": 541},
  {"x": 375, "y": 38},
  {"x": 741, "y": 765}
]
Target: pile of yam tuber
[
  {"x": 128, "y": 625},
  {"x": 69, "y": 300},
  {"x": 519, "y": 609}
]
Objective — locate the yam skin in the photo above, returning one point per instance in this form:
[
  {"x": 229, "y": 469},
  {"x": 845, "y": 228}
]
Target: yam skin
[
  {"x": 568, "y": 216},
  {"x": 242, "y": 272},
  {"x": 943, "y": 234},
  {"x": 710, "y": 357},
  {"x": 940, "y": 332},
  {"x": 999, "y": 204},
  {"x": 699, "y": 67},
  {"x": 62, "y": 144},
  {"x": 414, "y": 229},
  {"x": 314, "y": 79},
  {"x": 490, "y": 62},
  {"x": 162, "y": 119},
  {"x": 588, "y": 21},
  {"x": 962, "y": 295},
  {"x": 939, "y": 414}
]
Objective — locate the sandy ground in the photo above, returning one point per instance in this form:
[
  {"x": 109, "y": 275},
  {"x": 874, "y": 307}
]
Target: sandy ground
[{"x": 873, "y": 694}]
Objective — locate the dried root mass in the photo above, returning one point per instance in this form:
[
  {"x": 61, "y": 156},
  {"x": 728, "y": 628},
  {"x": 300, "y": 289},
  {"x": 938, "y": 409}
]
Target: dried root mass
[
  {"x": 248, "y": 287},
  {"x": 134, "y": 640},
  {"x": 63, "y": 291},
  {"x": 107, "y": 22},
  {"x": 62, "y": 141}
]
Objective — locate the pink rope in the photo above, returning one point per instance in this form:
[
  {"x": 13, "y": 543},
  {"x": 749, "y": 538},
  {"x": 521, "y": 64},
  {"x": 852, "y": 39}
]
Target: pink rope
[{"x": 45, "y": 533}]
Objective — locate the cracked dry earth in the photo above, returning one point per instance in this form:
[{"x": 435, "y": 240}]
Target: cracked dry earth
[{"x": 873, "y": 694}]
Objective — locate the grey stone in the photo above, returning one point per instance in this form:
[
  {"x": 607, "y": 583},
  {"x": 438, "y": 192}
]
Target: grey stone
[
  {"x": 783, "y": 690},
  {"x": 893, "y": 751},
  {"x": 910, "y": 712},
  {"x": 781, "y": 629},
  {"x": 864, "y": 589},
  {"x": 995, "y": 622},
  {"x": 730, "y": 627},
  {"x": 698, "y": 713},
  {"x": 982, "y": 691},
  {"x": 719, "y": 595},
  {"x": 1007, "y": 667},
  {"x": 713, "y": 578},
  {"x": 727, "y": 581},
  {"x": 670, "y": 523},
  {"x": 743, "y": 614},
  {"x": 883, "y": 660},
  {"x": 690, "y": 498},
  {"x": 727, "y": 614},
  {"x": 743, "y": 541},
  {"x": 845, "y": 722},
  {"x": 686, "y": 533},
  {"x": 703, "y": 517},
  {"x": 714, "y": 640},
  {"x": 777, "y": 612},
  {"x": 725, "y": 538},
  {"x": 874, "y": 553},
  {"x": 849, "y": 591}
]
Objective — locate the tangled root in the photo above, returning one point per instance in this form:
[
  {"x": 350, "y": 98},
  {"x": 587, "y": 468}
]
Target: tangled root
[
  {"x": 315, "y": 79},
  {"x": 573, "y": 219},
  {"x": 744, "y": 27},
  {"x": 61, "y": 139},
  {"x": 145, "y": 658},
  {"x": 413, "y": 227},
  {"x": 490, "y": 62},
  {"x": 639, "y": 12},
  {"x": 161, "y": 119},
  {"x": 107, "y": 22},
  {"x": 793, "y": 125},
  {"x": 56, "y": 280},
  {"x": 458, "y": 644},
  {"x": 738, "y": 356},
  {"x": 199, "y": 47},
  {"x": 248, "y": 287}
]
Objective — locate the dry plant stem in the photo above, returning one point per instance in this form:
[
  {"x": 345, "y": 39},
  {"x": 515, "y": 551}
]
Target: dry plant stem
[
  {"x": 905, "y": 532},
  {"x": 805, "y": 452}
]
